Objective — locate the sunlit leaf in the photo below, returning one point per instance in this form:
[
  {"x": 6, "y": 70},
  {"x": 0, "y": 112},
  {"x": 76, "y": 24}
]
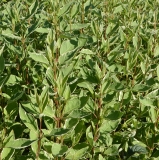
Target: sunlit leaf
[
  {"x": 39, "y": 57},
  {"x": 19, "y": 143},
  {"x": 58, "y": 149}
]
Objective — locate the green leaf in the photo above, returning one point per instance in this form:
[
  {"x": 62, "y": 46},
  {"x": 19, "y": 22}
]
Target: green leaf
[
  {"x": 78, "y": 114},
  {"x": 114, "y": 115},
  {"x": 30, "y": 108},
  {"x": 28, "y": 119},
  {"x": 19, "y": 143},
  {"x": 67, "y": 57},
  {"x": 67, "y": 93},
  {"x": 81, "y": 42},
  {"x": 32, "y": 28},
  {"x": 138, "y": 149},
  {"x": 158, "y": 72},
  {"x": 143, "y": 67},
  {"x": 48, "y": 146},
  {"x": 16, "y": 97},
  {"x": 67, "y": 46},
  {"x": 117, "y": 86},
  {"x": 44, "y": 97},
  {"x": 48, "y": 111},
  {"x": 89, "y": 136},
  {"x": 101, "y": 157},
  {"x": 153, "y": 114},
  {"x": 108, "y": 126},
  {"x": 86, "y": 85},
  {"x": 71, "y": 122},
  {"x": 135, "y": 41},
  {"x": 76, "y": 26},
  {"x": 2, "y": 62},
  {"x": 74, "y": 10},
  {"x": 13, "y": 80},
  {"x": 156, "y": 51},
  {"x": 72, "y": 104},
  {"x": 11, "y": 110},
  {"x": 58, "y": 149},
  {"x": 50, "y": 76},
  {"x": 49, "y": 122},
  {"x": 87, "y": 51},
  {"x": 64, "y": 9},
  {"x": 59, "y": 132},
  {"x": 10, "y": 35},
  {"x": 112, "y": 151},
  {"x": 7, "y": 153},
  {"x": 33, "y": 9},
  {"x": 77, "y": 152},
  {"x": 42, "y": 30},
  {"x": 109, "y": 97},
  {"x": 140, "y": 88},
  {"x": 146, "y": 102},
  {"x": 126, "y": 98},
  {"x": 118, "y": 9},
  {"x": 34, "y": 135},
  {"x": 3, "y": 80},
  {"x": 153, "y": 94},
  {"x": 39, "y": 57}
]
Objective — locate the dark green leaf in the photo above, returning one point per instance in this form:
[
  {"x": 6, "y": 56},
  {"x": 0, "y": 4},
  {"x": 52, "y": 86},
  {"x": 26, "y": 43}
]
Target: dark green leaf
[
  {"x": 78, "y": 114},
  {"x": 114, "y": 115},
  {"x": 59, "y": 132}
]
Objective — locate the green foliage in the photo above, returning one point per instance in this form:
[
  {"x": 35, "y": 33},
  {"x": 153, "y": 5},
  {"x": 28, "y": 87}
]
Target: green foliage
[{"x": 79, "y": 80}]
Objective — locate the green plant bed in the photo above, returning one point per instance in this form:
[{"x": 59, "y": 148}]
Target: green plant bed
[{"x": 79, "y": 80}]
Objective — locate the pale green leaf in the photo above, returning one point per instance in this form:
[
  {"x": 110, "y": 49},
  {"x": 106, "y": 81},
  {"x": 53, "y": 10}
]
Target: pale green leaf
[
  {"x": 74, "y": 10},
  {"x": 19, "y": 143},
  {"x": 72, "y": 104},
  {"x": 76, "y": 26},
  {"x": 146, "y": 102},
  {"x": 86, "y": 51},
  {"x": 10, "y": 35},
  {"x": 39, "y": 57},
  {"x": 28, "y": 119},
  {"x": 158, "y": 72},
  {"x": 109, "y": 126},
  {"x": 64, "y": 9},
  {"x": 67, "y": 46},
  {"x": 58, "y": 149},
  {"x": 156, "y": 51}
]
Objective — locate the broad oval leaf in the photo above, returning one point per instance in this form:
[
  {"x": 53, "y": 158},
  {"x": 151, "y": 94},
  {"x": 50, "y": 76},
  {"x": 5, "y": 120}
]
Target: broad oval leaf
[
  {"x": 72, "y": 104},
  {"x": 146, "y": 102},
  {"x": 108, "y": 126},
  {"x": 39, "y": 57},
  {"x": 58, "y": 149},
  {"x": 19, "y": 143},
  {"x": 67, "y": 46},
  {"x": 140, "y": 88}
]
